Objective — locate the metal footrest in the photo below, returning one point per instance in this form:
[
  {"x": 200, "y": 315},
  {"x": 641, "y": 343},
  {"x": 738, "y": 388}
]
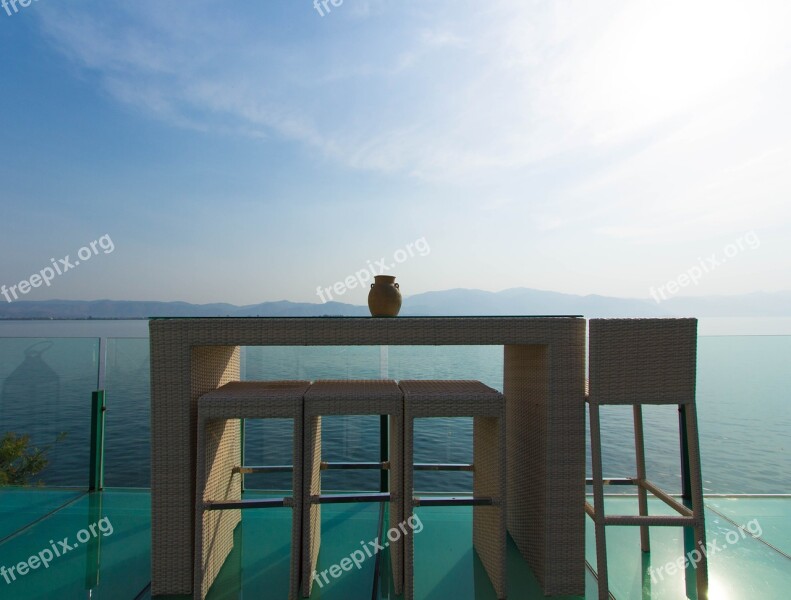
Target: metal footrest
[
  {"x": 614, "y": 481},
  {"x": 443, "y": 467},
  {"x": 252, "y": 503},
  {"x": 349, "y": 498},
  {"x": 456, "y": 501},
  {"x": 266, "y": 469}
]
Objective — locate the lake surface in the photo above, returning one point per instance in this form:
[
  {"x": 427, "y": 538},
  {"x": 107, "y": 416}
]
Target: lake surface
[{"x": 49, "y": 368}]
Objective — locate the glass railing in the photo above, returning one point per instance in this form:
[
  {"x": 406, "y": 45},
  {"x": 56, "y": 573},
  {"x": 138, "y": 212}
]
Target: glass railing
[
  {"x": 743, "y": 395},
  {"x": 127, "y": 454},
  {"x": 744, "y": 388},
  {"x": 45, "y": 394}
]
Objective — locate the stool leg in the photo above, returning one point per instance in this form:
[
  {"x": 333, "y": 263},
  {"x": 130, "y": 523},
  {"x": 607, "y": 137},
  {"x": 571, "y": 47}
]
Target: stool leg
[
  {"x": 217, "y": 452},
  {"x": 696, "y": 491},
  {"x": 311, "y": 513},
  {"x": 397, "y": 509},
  {"x": 598, "y": 503},
  {"x": 488, "y": 522},
  {"x": 642, "y": 494},
  {"x": 409, "y": 505},
  {"x": 297, "y": 478},
  {"x": 199, "y": 589}
]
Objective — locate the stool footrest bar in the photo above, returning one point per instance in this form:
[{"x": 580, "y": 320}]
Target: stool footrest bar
[
  {"x": 443, "y": 467},
  {"x": 252, "y": 503},
  {"x": 455, "y": 501},
  {"x": 264, "y": 469},
  {"x": 650, "y": 520},
  {"x": 348, "y": 498},
  {"x": 614, "y": 481},
  {"x": 667, "y": 499}
]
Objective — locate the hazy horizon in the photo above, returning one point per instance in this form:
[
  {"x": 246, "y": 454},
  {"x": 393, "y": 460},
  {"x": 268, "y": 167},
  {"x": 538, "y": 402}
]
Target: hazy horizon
[{"x": 363, "y": 301}]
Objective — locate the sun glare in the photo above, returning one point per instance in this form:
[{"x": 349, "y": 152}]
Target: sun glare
[
  {"x": 718, "y": 590},
  {"x": 659, "y": 59}
]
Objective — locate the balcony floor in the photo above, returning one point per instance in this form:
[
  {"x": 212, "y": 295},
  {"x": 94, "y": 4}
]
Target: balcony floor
[{"x": 117, "y": 565}]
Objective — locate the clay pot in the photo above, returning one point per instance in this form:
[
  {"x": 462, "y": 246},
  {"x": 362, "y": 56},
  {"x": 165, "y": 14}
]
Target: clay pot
[{"x": 384, "y": 299}]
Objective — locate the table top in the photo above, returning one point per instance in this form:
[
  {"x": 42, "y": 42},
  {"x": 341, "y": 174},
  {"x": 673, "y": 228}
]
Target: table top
[
  {"x": 361, "y": 331},
  {"x": 363, "y": 318}
]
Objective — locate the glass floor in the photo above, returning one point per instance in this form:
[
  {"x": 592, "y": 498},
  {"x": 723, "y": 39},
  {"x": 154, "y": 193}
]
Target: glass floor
[{"x": 79, "y": 545}]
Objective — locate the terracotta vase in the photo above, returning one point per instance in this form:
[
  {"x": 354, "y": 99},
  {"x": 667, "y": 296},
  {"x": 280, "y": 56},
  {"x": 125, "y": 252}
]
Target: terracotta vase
[{"x": 384, "y": 299}]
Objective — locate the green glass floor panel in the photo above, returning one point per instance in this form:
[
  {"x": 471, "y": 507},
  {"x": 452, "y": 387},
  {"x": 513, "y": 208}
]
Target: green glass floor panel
[
  {"x": 739, "y": 566},
  {"x": 258, "y": 567},
  {"x": 446, "y": 565},
  {"x": 117, "y": 565},
  {"x": 768, "y": 517},
  {"x": 98, "y": 547},
  {"x": 260, "y": 558},
  {"x": 19, "y": 507},
  {"x": 345, "y": 530}
]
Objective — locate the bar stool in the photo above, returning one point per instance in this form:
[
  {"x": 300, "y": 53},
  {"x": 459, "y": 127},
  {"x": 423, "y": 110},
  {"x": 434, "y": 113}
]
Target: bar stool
[
  {"x": 219, "y": 471},
  {"x": 487, "y": 407},
  {"x": 635, "y": 362},
  {"x": 350, "y": 397}
]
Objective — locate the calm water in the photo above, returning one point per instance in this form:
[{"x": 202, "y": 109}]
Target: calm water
[{"x": 744, "y": 392}]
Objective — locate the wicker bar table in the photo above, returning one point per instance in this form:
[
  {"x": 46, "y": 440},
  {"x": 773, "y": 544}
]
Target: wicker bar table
[{"x": 543, "y": 380}]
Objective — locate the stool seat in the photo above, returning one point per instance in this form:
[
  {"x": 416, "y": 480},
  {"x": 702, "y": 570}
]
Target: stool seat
[
  {"x": 440, "y": 398},
  {"x": 350, "y": 397},
  {"x": 218, "y": 477}
]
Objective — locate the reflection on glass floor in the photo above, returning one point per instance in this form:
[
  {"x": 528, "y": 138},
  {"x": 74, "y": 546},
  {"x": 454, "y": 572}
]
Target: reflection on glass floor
[{"x": 112, "y": 559}]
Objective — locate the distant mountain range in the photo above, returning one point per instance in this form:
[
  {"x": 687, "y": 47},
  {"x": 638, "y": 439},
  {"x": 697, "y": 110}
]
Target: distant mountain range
[{"x": 517, "y": 301}]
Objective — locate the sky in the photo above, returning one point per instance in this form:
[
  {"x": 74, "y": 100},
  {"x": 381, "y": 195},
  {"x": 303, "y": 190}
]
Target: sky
[{"x": 252, "y": 151}]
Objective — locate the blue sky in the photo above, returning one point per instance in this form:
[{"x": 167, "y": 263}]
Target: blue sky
[{"x": 244, "y": 152}]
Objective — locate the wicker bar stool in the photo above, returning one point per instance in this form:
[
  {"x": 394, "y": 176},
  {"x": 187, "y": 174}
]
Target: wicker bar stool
[
  {"x": 219, "y": 471},
  {"x": 487, "y": 407},
  {"x": 350, "y": 397},
  {"x": 638, "y": 362}
]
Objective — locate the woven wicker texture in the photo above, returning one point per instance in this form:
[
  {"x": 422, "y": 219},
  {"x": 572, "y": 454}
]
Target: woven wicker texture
[
  {"x": 645, "y": 361},
  {"x": 636, "y": 362},
  {"x": 487, "y": 407},
  {"x": 175, "y": 389},
  {"x": 214, "y": 530},
  {"x": 350, "y": 397},
  {"x": 219, "y": 451},
  {"x": 545, "y": 415},
  {"x": 311, "y": 513},
  {"x": 545, "y": 522}
]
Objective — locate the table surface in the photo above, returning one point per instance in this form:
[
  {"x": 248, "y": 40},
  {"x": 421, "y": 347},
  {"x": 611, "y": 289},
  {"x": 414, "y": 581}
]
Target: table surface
[{"x": 364, "y": 318}]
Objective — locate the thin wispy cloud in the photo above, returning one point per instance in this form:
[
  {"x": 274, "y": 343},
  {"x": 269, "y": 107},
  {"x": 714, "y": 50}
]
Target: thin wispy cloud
[
  {"x": 496, "y": 85},
  {"x": 624, "y": 114}
]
